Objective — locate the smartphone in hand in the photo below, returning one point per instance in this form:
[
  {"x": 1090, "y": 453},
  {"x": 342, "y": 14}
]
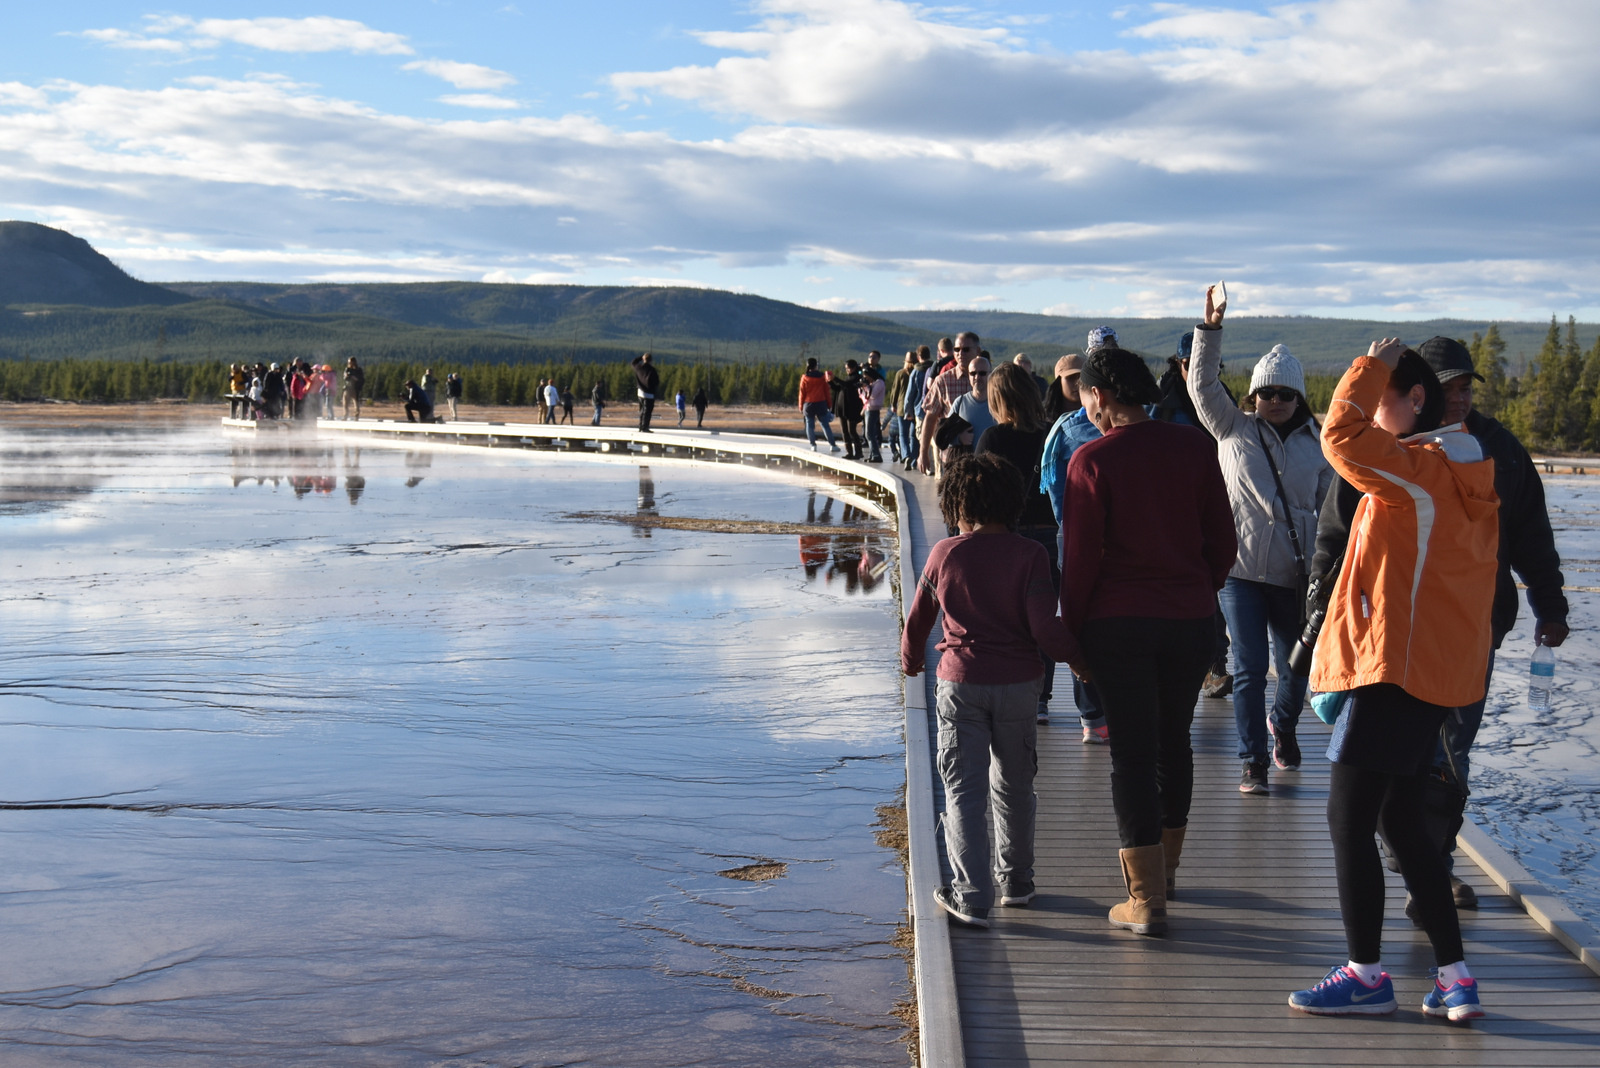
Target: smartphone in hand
[{"x": 1219, "y": 296}]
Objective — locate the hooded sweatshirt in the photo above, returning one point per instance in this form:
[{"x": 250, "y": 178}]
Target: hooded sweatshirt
[{"x": 1412, "y": 602}]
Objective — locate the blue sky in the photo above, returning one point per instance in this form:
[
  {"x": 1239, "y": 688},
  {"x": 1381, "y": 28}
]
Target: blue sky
[{"x": 1404, "y": 158}]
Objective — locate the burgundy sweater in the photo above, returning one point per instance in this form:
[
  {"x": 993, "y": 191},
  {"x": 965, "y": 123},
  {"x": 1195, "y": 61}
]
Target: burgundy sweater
[
  {"x": 1147, "y": 529},
  {"x": 999, "y": 607}
]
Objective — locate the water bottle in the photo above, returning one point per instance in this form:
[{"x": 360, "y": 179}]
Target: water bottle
[{"x": 1541, "y": 677}]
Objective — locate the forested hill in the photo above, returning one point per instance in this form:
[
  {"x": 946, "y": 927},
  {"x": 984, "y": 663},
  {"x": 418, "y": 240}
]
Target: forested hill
[
  {"x": 735, "y": 325},
  {"x": 1320, "y": 344},
  {"x": 41, "y": 265}
]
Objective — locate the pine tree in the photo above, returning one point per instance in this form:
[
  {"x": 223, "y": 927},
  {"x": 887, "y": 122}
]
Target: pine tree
[
  {"x": 1538, "y": 412},
  {"x": 1488, "y": 359},
  {"x": 1574, "y": 402},
  {"x": 1590, "y": 381}
]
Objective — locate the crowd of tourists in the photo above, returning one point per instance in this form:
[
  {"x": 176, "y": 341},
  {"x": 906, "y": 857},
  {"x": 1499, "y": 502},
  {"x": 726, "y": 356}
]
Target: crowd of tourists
[
  {"x": 305, "y": 390},
  {"x": 1130, "y": 528}
]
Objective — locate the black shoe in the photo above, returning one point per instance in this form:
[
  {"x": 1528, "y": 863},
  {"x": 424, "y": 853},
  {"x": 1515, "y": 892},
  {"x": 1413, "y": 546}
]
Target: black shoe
[
  {"x": 1466, "y": 897},
  {"x": 1285, "y": 749},
  {"x": 1253, "y": 779},
  {"x": 945, "y": 898}
]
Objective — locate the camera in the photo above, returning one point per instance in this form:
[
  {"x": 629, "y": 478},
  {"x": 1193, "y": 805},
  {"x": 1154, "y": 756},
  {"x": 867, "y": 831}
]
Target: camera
[{"x": 1306, "y": 645}]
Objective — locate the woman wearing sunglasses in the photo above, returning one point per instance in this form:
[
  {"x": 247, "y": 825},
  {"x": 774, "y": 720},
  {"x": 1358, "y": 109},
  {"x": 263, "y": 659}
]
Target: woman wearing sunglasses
[{"x": 1277, "y": 478}]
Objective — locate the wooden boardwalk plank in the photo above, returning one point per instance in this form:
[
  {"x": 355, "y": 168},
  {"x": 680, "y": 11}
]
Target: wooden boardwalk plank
[{"x": 1256, "y": 917}]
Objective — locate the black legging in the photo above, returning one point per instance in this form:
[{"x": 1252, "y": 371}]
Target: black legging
[
  {"x": 1358, "y": 801},
  {"x": 850, "y": 430},
  {"x": 1148, "y": 672}
]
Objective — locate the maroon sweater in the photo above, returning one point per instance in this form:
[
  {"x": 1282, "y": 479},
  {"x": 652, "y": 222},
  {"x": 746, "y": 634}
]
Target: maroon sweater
[
  {"x": 1146, "y": 526},
  {"x": 999, "y": 607}
]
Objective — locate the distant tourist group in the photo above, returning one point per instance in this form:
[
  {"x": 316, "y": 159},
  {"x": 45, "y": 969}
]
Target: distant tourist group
[
  {"x": 270, "y": 391},
  {"x": 1130, "y": 528}
]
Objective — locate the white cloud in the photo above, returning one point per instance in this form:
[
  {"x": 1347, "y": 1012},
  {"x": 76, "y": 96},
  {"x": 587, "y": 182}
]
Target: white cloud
[
  {"x": 1417, "y": 154},
  {"x": 839, "y": 304},
  {"x": 318, "y": 33},
  {"x": 480, "y": 100},
  {"x": 462, "y": 75}
]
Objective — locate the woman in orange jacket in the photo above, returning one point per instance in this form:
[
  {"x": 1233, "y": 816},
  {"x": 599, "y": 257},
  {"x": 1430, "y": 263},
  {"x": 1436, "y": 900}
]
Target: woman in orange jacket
[{"x": 1407, "y": 638}]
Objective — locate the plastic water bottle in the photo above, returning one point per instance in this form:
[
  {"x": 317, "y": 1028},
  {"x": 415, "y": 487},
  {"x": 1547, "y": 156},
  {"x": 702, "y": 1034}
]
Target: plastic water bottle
[{"x": 1541, "y": 677}]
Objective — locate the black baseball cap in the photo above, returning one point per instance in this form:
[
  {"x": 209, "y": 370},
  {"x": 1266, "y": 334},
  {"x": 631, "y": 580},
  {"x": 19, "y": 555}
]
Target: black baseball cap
[{"x": 1448, "y": 357}]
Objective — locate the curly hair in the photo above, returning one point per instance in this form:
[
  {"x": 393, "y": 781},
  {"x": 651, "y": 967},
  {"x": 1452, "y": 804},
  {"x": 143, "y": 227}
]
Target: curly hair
[
  {"x": 1014, "y": 399},
  {"x": 1121, "y": 373},
  {"x": 981, "y": 489}
]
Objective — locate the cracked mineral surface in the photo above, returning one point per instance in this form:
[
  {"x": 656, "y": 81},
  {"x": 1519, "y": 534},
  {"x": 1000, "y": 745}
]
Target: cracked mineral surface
[{"x": 324, "y": 755}]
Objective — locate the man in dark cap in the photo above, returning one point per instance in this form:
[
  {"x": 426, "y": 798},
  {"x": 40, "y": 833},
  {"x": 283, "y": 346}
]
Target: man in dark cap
[{"x": 1527, "y": 546}]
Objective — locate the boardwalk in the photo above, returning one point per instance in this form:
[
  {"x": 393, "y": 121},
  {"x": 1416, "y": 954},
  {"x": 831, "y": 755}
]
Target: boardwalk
[{"x": 1256, "y": 916}]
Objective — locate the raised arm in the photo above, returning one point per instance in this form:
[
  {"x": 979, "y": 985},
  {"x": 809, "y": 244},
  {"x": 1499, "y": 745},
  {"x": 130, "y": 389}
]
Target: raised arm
[{"x": 1218, "y": 413}]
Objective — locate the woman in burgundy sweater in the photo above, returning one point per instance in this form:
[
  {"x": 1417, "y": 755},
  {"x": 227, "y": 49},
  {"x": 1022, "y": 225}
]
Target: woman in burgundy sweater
[{"x": 1147, "y": 541}]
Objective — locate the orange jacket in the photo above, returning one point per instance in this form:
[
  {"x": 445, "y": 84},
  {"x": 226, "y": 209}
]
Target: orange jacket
[
  {"x": 814, "y": 388},
  {"x": 1413, "y": 599}
]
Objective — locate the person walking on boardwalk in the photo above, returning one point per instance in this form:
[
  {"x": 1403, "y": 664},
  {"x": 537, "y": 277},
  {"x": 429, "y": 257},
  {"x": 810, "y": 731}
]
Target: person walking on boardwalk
[
  {"x": 700, "y": 403},
  {"x": 1407, "y": 639},
  {"x": 873, "y": 391},
  {"x": 1018, "y": 435},
  {"x": 452, "y": 394},
  {"x": 597, "y": 397},
  {"x": 644, "y": 370},
  {"x": 942, "y": 390},
  {"x": 995, "y": 592},
  {"x": 567, "y": 400},
  {"x": 552, "y": 402},
  {"x": 848, "y": 407},
  {"x": 355, "y": 380},
  {"x": 1147, "y": 540},
  {"x": 1277, "y": 478},
  {"x": 816, "y": 396},
  {"x": 681, "y": 402},
  {"x": 1070, "y": 430}
]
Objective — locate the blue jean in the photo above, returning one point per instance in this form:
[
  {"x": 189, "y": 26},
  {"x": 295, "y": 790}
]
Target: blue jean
[
  {"x": 908, "y": 437},
  {"x": 978, "y": 724},
  {"x": 1257, "y": 611},
  {"x": 817, "y": 412}
]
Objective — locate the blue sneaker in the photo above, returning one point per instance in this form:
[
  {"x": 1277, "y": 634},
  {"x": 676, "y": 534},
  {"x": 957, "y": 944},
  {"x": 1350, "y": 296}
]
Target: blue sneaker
[
  {"x": 1342, "y": 993},
  {"x": 1459, "y": 1001}
]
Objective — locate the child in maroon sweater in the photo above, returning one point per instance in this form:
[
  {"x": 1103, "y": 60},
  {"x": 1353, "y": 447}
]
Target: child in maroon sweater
[{"x": 999, "y": 603}]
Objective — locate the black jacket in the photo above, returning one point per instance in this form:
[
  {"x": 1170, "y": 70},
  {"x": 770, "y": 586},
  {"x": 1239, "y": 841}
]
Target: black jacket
[
  {"x": 847, "y": 397},
  {"x": 649, "y": 378},
  {"x": 416, "y": 398},
  {"x": 1527, "y": 545}
]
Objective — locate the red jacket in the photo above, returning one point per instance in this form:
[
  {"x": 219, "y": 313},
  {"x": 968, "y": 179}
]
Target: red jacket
[{"x": 814, "y": 388}]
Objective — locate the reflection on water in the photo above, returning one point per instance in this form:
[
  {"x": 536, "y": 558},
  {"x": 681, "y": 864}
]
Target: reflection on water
[
  {"x": 859, "y": 559},
  {"x": 442, "y": 780}
]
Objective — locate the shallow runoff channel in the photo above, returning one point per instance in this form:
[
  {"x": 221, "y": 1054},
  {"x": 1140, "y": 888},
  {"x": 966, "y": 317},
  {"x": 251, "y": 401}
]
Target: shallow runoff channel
[{"x": 323, "y": 754}]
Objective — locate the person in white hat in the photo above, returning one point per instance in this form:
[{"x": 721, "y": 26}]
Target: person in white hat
[{"x": 1277, "y": 479}]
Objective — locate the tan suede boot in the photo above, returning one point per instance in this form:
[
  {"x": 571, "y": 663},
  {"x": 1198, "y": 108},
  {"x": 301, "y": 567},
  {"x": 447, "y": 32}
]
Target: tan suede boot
[
  {"x": 1172, "y": 846},
  {"x": 1144, "y": 872}
]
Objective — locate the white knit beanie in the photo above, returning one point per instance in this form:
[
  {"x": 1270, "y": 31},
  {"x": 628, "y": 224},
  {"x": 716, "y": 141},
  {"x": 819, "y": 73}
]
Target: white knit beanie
[{"x": 1278, "y": 368}]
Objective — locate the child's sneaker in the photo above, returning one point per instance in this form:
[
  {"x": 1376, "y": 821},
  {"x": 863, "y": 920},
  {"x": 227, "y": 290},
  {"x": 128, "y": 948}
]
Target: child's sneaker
[
  {"x": 1459, "y": 1001},
  {"x": 1342, "y": 993}
]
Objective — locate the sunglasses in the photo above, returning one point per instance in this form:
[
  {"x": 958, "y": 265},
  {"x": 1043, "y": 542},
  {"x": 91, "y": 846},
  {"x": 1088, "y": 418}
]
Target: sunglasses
[
  {"x": 1268, "y": 393},
  {"x": 980, "y": 374}
]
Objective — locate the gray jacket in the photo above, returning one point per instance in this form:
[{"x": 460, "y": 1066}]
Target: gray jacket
[{"x": 1265, "y": 553}]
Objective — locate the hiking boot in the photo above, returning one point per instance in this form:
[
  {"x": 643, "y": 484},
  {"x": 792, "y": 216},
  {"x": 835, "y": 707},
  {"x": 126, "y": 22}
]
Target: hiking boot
[
  {"x": 945, "y": 898},
  {"x": 1217, "y": 685},
  {"x": 1100, "y": 735},
  {"x": 1253, "y": 779},
  {"x": 1285, "y": 747},
  {"x": 1342, "y": 993},
  {"x": 1465, "y": 896},
  {"x": 1017, "y": 895}
]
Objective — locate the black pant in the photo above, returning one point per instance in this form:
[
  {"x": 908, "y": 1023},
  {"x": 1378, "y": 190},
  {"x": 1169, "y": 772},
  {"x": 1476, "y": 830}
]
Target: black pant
[
  {"x": 1148, "y": 672},
  {"x": 1359, "y": 802},
  {"x": 850, "y": 430},
  {"x": 647, "y": 407},
  {"x": 423, "y": 414}
]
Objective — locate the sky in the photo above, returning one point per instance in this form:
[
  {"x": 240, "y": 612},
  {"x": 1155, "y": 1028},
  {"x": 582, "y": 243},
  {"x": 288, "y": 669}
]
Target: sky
[{"x": 1403, "y": 159}]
